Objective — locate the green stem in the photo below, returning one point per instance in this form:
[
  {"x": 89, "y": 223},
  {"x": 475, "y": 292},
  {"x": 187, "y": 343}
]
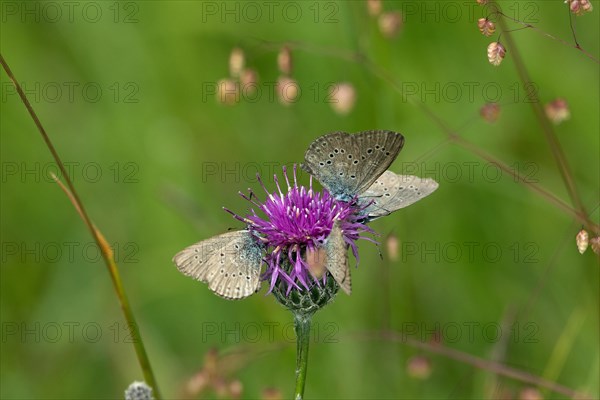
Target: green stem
[
  {"x": 105, "y": 249},
  {"x": 302, "y": 328},
  {"x": 134, "y": 330},
  {"x": 546, "y": 127}
]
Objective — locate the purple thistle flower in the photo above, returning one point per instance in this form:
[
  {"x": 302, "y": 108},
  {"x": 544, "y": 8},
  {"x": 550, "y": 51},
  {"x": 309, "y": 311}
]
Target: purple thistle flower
[
  {"x": 290, "y": 224},
  {"x": 287, "y": 230},
  {"x": 303, "y": 236}
]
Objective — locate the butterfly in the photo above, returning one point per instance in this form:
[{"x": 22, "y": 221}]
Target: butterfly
[
  {"x": 354, "y": 166},
  {"x": 347, "y": 165},
  {"x": 229, "y": 263},
  {"x": 332, "y": 256}
]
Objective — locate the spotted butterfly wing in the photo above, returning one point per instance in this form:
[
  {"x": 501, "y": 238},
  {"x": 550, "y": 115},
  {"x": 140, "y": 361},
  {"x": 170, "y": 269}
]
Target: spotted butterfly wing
[
  {"x": 336, "y": 251},
  {"x": 346, "y": 165},
  {"x": 229, "y": 263},
  {"x": 391, "y": 192}
]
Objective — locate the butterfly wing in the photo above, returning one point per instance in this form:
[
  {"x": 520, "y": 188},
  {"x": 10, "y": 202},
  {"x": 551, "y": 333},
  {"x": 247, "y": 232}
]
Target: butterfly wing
[
  {"x": 391, "y": 192},
  {"x": 229, "y": 263},
  {"x": 337, "y": 258},
  {"x": 346, "y": 164}
]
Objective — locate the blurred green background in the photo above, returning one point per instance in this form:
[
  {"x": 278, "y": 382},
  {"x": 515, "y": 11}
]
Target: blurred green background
[{"x": 126, "y": 92}]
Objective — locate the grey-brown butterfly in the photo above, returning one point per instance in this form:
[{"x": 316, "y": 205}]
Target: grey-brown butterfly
[
  {"x": 347, "y": 165},
  {"x": 336, "y": 250},
  {"x": 332, "y": 256},
  {"x": 391, "y": 192},
  {"x": 229, "y": 263}
]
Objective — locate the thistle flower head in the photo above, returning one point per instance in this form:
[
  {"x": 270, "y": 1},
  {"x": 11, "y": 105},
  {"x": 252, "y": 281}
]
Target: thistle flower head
[
  {"x": 138, "y": 391},
  {"x": 297, "y": 221}
]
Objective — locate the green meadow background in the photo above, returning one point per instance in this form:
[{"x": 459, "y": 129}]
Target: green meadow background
[{"x": 126, "y": 93}]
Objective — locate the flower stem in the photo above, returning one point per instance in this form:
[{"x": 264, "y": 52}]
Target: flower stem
[
  {"x": 302, "y": 328},
  {"x": 105, "y": 249}
]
